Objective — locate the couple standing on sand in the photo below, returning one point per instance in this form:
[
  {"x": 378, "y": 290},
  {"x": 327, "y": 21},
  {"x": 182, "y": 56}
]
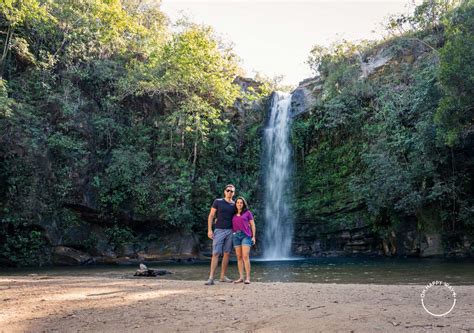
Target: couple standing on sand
[{"x": 235, "y": 226}]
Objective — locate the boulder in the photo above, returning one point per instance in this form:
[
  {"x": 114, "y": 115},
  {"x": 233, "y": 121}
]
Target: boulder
[
  {"x": 372, "y": 64},
  {"x": 346, "y": 235},
  {"x": 145, "y": 271},
  {"x": 67, "y": 256},
  {"x": 303, "y": 97},
  {"x": 431, "y": 245},
  {"x": 358, "y": 235},
  {"x": 361, "y": 240},
  {"x": 178, "y": 245}
]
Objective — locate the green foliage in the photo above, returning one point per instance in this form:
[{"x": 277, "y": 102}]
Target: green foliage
[
  {"x": 323, "y": 195},
  {"x": 426, "y": 16},
  {"x": 5, "y": 102},
  {"x": 370, "y": 149},
  {"x": 90, "y": 242},
  {"x": 403, "y": 157},
  {"x": 101, "y": 105},
  {"x": 455, "y": 113},
  {"x": 210, "y": 73},
  {"x": 25, "y": 249},
  {"x": 123, "y": 179},
  {"x": 323, "y": 60},
  {"x": 119, "y": 236}
]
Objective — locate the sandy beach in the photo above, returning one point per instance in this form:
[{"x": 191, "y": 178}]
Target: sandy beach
[{"x": 96, "y": 304}]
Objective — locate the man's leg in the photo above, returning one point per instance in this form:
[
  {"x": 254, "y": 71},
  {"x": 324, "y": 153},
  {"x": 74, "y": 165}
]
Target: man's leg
[
  {"x": 217, "y": 244},
  {"x": 214, "y": 263},
  {"x": 225, "y": 263},
  {"x": 227, "y": 248}
]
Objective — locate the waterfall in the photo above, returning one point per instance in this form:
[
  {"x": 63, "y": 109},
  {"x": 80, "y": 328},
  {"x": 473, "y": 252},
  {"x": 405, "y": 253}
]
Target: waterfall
[{"x": 277, "y": 166}]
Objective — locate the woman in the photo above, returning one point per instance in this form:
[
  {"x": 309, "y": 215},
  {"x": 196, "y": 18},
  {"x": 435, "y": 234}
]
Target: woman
[{"x": 243, "y": 227}]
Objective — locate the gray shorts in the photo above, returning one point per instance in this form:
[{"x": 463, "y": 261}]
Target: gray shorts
[{"x": 222, "y": 241}]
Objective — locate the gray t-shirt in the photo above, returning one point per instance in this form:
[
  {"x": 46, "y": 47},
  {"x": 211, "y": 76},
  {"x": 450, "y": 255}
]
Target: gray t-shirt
[{"x": 225, "y": 212}]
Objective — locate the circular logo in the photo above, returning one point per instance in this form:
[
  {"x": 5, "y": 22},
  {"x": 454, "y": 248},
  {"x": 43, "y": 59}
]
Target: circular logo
[{"x": 438, "y": 296}]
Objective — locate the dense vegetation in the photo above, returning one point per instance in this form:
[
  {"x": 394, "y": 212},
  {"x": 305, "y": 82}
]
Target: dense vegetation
[
  {"x": 397, "y": 145},
  {"x": 109, "y": 117}
]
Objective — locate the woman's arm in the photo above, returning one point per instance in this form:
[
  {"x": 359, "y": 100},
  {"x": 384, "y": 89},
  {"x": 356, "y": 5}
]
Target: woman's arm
[{"x": 254, "y": 231}]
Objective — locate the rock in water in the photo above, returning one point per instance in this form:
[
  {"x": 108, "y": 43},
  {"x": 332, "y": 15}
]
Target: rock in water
[{"x": 145, "y": 271}]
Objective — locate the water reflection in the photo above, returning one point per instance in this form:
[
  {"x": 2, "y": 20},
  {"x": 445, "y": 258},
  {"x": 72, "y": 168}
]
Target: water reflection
[{"x": 323, "y": 270}]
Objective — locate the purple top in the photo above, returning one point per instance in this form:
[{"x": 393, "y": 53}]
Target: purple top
[{"x": 242, "y": 223}]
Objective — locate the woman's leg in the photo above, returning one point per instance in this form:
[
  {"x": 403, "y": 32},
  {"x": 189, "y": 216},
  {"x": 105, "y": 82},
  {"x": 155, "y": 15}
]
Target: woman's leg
[
  {"x": 246, "y": 260},
  {"x": 240, "y": 263}
]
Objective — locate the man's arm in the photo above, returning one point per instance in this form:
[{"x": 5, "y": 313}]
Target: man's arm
[{"x": 210, "y": 219}]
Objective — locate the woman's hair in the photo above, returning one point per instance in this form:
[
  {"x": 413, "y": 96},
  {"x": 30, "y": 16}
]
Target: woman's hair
[{"x": 244, "y": 208}]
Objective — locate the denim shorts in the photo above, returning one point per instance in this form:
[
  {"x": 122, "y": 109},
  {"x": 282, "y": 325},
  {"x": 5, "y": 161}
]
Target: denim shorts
[{"x": 241, "y": 239}]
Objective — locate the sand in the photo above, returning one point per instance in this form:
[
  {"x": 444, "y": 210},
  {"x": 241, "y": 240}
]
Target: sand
[{"x": 96, "y": 304}]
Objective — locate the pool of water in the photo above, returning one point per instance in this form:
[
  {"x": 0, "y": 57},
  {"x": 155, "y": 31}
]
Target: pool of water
[{"x": 321, "y": 270}]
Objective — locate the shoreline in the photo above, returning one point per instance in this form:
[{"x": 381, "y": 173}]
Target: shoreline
[
  {"x": 387, "y": 271},
  {"x": 94, "y": 303},
  {"x": 188, "y": 260}
]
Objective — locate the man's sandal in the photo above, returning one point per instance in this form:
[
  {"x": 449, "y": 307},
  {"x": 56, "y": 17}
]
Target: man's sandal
[
  {"x": 225, "y": 279},
  {"x": 209, "y": 282}
]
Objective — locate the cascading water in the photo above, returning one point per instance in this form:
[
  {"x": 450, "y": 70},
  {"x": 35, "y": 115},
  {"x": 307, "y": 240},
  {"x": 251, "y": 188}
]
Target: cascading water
[{"x": 278, "y": 232}]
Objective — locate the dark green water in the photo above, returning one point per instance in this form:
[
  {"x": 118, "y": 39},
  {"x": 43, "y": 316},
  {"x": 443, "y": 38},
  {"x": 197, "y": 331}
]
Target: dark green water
[{"x": 324, "y": 270}]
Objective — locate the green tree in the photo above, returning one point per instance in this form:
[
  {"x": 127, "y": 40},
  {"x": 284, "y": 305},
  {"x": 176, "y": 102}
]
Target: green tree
[{"x": 456, "y": 110}]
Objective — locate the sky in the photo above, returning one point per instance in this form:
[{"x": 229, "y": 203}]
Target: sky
[{"x": 276, "y": 37}]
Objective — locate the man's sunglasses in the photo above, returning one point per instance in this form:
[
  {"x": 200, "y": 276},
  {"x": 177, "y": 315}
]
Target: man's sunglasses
[{"x": 230, "y": 190}]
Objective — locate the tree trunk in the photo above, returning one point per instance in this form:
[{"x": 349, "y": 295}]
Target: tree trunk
[
  {"x": 195, "y": 152},
  {"x": 5, "y": 50},
  {"x": 453, "y": 190}
]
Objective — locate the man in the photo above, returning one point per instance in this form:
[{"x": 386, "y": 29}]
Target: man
[{"x": 222, "y": 235}]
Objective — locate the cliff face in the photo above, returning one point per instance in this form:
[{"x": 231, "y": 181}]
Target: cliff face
[
  {"x": 304, "y": 96},
  {"x": 370, "y": 166}
]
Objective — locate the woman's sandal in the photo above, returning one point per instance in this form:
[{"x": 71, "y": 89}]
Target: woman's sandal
[
  {"x": 247, "y": 282},
  {"x": 239, "y": 281}
]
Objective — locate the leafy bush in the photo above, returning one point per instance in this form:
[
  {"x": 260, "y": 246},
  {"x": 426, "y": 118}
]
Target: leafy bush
[
  {"x": 119, "y": 236},
  {"x": 26, "y": 248}
]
